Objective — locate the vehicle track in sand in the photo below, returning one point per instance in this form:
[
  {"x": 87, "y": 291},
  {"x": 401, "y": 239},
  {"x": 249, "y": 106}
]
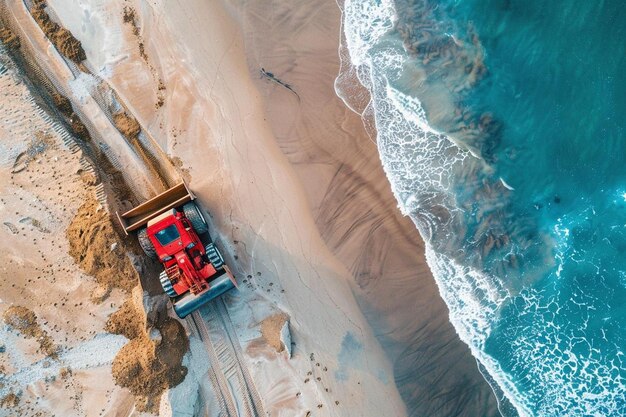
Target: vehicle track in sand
[{"x": 228, "y": 375}]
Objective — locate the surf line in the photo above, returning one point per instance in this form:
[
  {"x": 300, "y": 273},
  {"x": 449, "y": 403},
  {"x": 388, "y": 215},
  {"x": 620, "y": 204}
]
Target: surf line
[{"x": 270, "y": 76}]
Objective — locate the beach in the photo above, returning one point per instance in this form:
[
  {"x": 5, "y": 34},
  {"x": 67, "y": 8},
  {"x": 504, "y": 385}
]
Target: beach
[{"x": 238, "y": 99}]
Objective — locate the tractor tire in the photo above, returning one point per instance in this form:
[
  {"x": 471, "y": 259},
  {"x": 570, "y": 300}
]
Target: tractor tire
[
  {"x": 146, "y": 245},
  {"x": 196, "y": 218},
  {"x": 167, "y": 284},
  {"x": 214, "y": 255}
]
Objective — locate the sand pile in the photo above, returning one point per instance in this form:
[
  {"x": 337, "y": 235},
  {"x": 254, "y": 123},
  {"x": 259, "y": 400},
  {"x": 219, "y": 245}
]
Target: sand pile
[
  {"x": 10, "y": 401},
  {"x": 64, "y": 105},
  {"x": 127, "y": 125},
  {"x": 126, "y": 321},
  {"x": 271, "y": 329},
  {"x": 152, "y": 361},
  {"x": 25, "y": 321},
  {"x": 78, "y": 127},
  {"x": 9, "y": 38},
  {"x": 62, "y": 38},
  {"x": 95, "y": 246}
]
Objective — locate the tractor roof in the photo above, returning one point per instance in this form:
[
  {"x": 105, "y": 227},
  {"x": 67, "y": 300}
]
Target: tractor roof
[{"x": 164, "y": 215}]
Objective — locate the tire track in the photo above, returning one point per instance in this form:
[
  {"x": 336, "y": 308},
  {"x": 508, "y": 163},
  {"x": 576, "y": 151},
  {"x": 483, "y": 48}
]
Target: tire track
[
  {"x": 253, "y": 397},
  {"x": 217, "y": 332},
  {"x": 218, "y": 381}
]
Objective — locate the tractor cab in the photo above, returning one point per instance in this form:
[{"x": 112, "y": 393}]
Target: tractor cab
[
  {"x": 170, "y": 233},
  {"x": 179, "y": 248},
  {"x": 171, "y": 228}
]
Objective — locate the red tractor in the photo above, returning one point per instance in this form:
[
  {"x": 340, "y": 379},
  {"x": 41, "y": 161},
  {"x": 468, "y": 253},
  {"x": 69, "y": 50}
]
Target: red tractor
[{"x": 171, "y": 229}]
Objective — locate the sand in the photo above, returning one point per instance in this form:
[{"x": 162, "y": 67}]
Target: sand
[
  {"x": 52, "y": 335},
  {"x": 271, "y": 329},
  {"x": 62, "y": 38},
  {"x": 152, "y": 361},
  {"x": 354, "y": 210},
  {"x": 127, "y": 125},
  {"x": 10, "y": 401},
  {"x": 240, "y": 96},
  {"x": 25, "y": 321},
  {"x": 9, "y": 38},
  {"x": 59, "y": 175},
  {"x": 64, "y": 105},
  {"x": 96, "y": 247}
]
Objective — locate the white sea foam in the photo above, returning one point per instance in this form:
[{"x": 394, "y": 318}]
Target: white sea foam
[{"x": 369, "y": 21}]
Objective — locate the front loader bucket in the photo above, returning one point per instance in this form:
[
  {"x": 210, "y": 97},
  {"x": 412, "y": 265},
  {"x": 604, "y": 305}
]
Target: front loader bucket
[
  {"x": 190, "y": 302},
  {"x": 143, "y": 213}
]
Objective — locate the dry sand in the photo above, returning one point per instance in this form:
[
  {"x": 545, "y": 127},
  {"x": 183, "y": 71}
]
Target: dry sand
[
  {"x": 151, "y": 362},
  {"x": 62, "y": 39},
  {"x": 272, "y": 328},
  {"x": 354, "y": 208},
  {"x": 93, "y": 245},
  {"x": 23, "y": 319}
]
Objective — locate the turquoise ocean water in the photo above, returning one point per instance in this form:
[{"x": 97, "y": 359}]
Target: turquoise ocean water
[{"x": 501, "y": 127}]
